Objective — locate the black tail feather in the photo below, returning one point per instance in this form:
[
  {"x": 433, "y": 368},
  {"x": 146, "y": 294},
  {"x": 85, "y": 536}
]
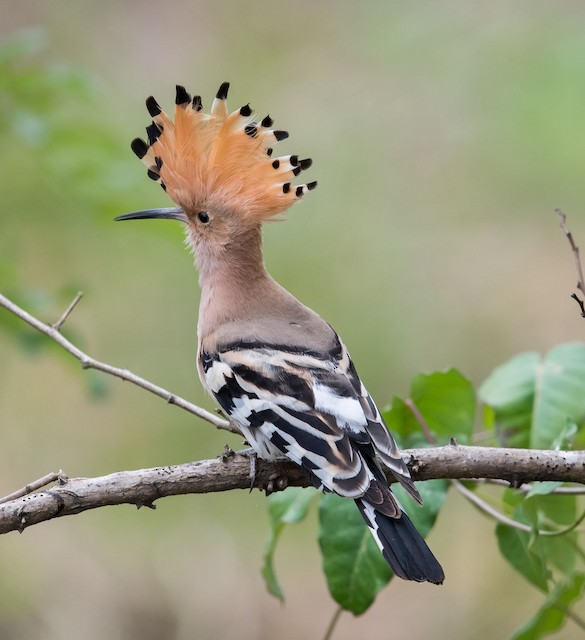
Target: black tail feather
[{"x": 402, "y": 546}]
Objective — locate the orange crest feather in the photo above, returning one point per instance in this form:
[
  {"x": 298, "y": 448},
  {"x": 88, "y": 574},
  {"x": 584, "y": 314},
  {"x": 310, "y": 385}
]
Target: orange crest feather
[{"x": 218, "y": 161}]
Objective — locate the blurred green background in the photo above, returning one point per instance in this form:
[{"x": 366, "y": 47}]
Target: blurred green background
[{"x": 443, "y": 134}]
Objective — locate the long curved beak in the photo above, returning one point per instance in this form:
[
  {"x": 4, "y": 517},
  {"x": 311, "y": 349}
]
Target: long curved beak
[{"x": 173, "y": 213}]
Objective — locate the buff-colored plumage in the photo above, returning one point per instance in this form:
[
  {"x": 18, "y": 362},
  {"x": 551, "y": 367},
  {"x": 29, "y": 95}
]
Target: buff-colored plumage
[{"x": 219, "y": 161}]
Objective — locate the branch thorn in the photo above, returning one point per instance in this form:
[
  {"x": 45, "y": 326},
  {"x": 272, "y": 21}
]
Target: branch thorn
[
  {"x": 575, "y": 250},
  {"x": 57, "y": 326},
  {"x": 579, "y": 302}
]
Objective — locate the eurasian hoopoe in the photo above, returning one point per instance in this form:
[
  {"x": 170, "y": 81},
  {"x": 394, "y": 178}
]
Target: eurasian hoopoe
[{"x": 275, "y": 367}]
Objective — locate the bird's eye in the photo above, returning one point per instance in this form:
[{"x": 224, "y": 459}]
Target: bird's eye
[{"x": 203, "y": 217}]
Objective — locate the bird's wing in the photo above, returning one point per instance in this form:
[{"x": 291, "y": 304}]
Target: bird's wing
[{"x": 311, "y": 408}]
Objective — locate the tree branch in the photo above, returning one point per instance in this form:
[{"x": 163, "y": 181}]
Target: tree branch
[
  {"x": 87, "y": 362},
  {"x": 142, "y": 487},
  {"x": 577, "y": 257},
  {"x": 232, "y": 471},
  {"x": 36, "y": 485}
]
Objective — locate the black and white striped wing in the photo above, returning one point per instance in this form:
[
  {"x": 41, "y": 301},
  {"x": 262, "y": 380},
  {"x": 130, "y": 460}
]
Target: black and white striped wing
[{"x": 311, "y": 409}]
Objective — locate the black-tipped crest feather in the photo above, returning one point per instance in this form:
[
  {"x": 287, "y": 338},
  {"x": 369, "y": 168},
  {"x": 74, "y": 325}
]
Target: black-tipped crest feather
[
  {"x": 139, "y": 147},
  {"x": 153, "y": 107},
  {"x": 182, "y": 97},
  {"x": 222, "y": 92}
]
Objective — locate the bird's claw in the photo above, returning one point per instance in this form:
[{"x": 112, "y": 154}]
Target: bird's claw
[
  {"x": 246, "y": 453},
  {"x": 228, "y": 453},
  {"x": 276, "y": 482},
  {"x": 253, "y": 468}
]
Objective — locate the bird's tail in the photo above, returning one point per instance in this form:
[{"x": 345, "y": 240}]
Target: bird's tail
[{"x": 402, "y": 546}]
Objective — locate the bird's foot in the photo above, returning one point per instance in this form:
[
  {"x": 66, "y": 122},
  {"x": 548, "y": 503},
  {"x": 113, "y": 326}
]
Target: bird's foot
[
  {"x": 246, "y": 453},
  {"x": 276, "y": 482}
]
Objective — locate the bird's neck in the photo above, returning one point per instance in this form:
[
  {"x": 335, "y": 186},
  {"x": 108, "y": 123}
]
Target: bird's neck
[{"x": 233, "y": 280}]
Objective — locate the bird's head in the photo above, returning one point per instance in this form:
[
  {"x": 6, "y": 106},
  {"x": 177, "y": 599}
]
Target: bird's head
[{"x": 219, "y": 168}]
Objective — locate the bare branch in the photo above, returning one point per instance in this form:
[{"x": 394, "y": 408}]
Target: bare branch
[
  {"x": 87, "y": 362},
  {"x": 333, "y": 623},
  {"x": 575, "y": 250},
  {"x": 232, "y": 471},
  {"x": 580, "y": 303},
  {"x": 515, "y": 466},
  {"x": 36, "y": 485},
  {"x": 24, "y": 508},
  {"x": 488, "y": 509},
  {"x": 510, "y": 522},
  {"x": 67, "y": 311},
  {"x": 526, "y": 488},
  {"x": 422, "y": 423},
  {"x": 142, "y": 487}
]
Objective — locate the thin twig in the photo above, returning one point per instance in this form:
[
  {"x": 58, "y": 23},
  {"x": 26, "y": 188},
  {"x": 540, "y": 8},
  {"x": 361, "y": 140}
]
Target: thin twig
[
  {"x": 87, "y": 362},
  {"x": 571, "y": 527},
  {"x": 504, "y": 519},
  {"x": 570, "y": 614},
  {"x": 580, "y": 303},
  {"x": 526, "y": 488},
  {"x": 36, "y": 485},
  {"x": 421, "y": 421},
  {"x": 67, "y": 311},
  {"x": 486, "y": 508},
  {"x": 333, "y": 622},
  {"x": 575, "y": 250}
]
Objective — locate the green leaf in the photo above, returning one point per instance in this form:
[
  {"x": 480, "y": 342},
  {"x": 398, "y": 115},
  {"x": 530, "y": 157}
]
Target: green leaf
[
  {"x": 560, "y": 509},
  {"x": 552, "y": 616},
  {"x": 446, "y": 401},
  {"x": 509, "y": 391},
  {"x": 354, "y": 567},
  {"x": 515, "y": 547},
  {"x": 560, "y": 394},
  {"x": 540, "y": 510},
  {"x": 558, "y": 551},
  {"x": 403, "y": 425},
  {"x": 97, "y": 384},
  {"x": 535, "y": 399},
  {"x": 565, "y": 440},
  {"x": 285, "y": 507},
  {"x": 543, "y": 488},
  {"x": 543, "y": 512}
]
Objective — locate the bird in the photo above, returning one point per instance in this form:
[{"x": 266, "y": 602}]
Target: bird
[{"x": 276, "y": 368}]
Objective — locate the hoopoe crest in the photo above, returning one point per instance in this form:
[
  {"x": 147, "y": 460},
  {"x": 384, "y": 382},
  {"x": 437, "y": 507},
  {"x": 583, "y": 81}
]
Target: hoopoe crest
[{"x": 219, "y": 161}]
